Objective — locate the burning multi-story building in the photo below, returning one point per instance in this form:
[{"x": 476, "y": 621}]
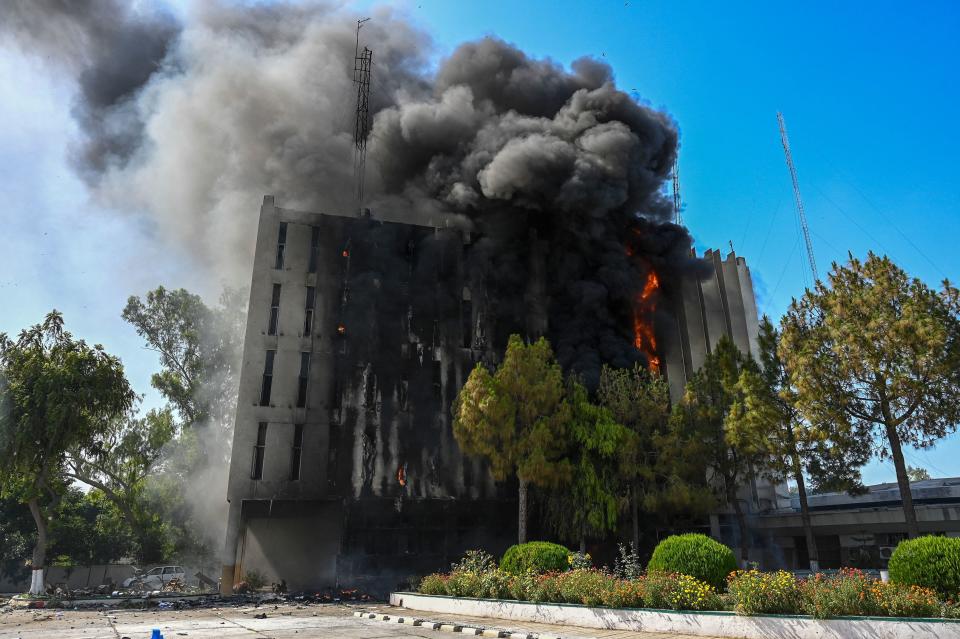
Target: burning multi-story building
[{"x": 359, "y": 335}]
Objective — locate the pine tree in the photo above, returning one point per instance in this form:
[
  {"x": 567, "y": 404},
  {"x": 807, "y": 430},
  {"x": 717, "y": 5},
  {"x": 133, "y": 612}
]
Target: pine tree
[
  {"x": 514, "y": 418},
  {"x": 875, "y": 353}
]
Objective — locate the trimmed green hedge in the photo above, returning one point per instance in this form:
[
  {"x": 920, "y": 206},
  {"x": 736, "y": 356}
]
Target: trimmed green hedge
[
  {"x": 695, "y": 555},
  {"x": 931, "y": 562},
  {"x": 535, "y": 556}
]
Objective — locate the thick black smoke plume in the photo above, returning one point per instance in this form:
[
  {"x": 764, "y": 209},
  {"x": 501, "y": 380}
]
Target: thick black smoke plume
[{"x": 556, "y": 171}]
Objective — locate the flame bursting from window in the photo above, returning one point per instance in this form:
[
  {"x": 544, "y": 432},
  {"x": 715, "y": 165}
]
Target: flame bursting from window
[
  {"x": 402, "y": 475},
  {"x": 644, "y": 307}
]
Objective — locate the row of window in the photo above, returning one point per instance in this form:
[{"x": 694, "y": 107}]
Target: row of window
[
  {"x": 260, "y": 449},
  {"x": 273, "y": 325},
  {"x": 282, "y": 247},
  {"x": 266, "y": 385}
]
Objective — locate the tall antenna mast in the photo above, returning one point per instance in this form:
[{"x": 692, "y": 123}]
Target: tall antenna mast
[
  {"x": 796, "y": 196},
  {"x": 676, "y": 190},
  {"x": 362, "y": 62}
]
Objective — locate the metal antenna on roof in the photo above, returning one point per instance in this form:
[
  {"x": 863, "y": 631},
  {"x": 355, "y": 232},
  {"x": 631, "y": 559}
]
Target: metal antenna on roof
[
  {"x": 362, "y": 63},
  {"x": 676, "y": 190},
  {"x": 796, "y": 196}
]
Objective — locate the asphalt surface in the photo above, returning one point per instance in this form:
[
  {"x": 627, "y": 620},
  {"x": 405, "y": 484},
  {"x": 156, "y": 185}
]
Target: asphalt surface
[{"x": 268, "y": 621}]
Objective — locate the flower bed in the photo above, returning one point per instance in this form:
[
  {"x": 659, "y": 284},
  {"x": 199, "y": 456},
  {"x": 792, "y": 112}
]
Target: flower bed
[{"x": 847, "y": 593}]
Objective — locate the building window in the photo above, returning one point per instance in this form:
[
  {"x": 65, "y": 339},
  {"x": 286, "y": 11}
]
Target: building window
[
  {"x": 302, "y": 381},
  {"x": 314, "y": 248},
  {"x": 297, "y": 450},
  {"x": 267, "y": 384},
  {"x": 274, "y": 311},
  {"x": 308, "y": 311},
  {"x": 437, "y": 381},
  {"x": 281, "y": 245},
  {"x": 466, "y": 319},
  {"x": 256, "y": 470}
]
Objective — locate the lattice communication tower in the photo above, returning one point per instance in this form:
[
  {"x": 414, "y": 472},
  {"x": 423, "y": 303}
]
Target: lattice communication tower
[
  {"x": 676, "y": 191},
  {"x": 362, "y": 64},
  {"x": 796, "y": 196}
]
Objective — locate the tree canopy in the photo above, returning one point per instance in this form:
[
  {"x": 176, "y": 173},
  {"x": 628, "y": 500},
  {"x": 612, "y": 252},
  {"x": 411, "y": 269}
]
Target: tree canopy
[
  {"x": 512, "y": 418},
  {"x": 876, "y": 354},
  {"x": 60, "y": 397}
]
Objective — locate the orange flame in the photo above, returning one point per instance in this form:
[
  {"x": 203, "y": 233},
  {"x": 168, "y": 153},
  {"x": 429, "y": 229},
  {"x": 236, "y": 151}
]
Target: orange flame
[
  {"x": 402, "y": 476},
  {"x": 644, "y": 306}
]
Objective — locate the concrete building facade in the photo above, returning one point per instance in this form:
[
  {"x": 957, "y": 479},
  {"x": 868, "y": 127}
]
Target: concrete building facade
[
  {"x": 360, "y": 332},
  {"x": 855, "y": 530}
]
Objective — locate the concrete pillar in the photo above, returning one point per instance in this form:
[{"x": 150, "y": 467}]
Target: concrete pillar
[{"x": 228, "y": 557}]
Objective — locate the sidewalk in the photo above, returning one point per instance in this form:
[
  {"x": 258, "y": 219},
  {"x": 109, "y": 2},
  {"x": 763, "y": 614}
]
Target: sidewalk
[{"x": 566, "y": 632}]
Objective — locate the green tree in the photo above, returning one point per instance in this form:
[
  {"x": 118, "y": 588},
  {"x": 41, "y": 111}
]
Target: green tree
[
  {"x": 764, "y": 420},
  {"x": 640, "y": 400},
  {"x": 118, "y": 466},
  {"x": 199, "y": 349},
  {"x": 877, "y": 354},
  {"x": 88, "y": 529},
  {"x": 917, "y": 474},
  {"x": 60, "y": 395},
  {"x": 17, "y": 531},
  {"x": 512, "y": 418},
  {"x": 589, "y": 503},
  {"x": 697, "y": 429}
]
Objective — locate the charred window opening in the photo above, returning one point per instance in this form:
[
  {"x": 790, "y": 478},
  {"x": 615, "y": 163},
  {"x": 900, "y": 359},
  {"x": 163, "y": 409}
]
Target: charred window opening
[
  {"x": 308, "y": 311},
  {"x": 314, "y": 249},
  {"x": 281, "y": 245},
  {"x": 267, "y": 383},
  {"x": 403, "y": 392},
  {"x": 256, "y": 468},
  {"x": 297, "y": 452},
  {"x": 332, "y": 447},
  {"x": 369, "y": 391},
  {"x": 302, "y": 380},
  {"x": 437, "y": 381},
  {"x": 274, "y": 311},
  {"x": 337, "y": 400},
  {"x": 466, "y": 318}
]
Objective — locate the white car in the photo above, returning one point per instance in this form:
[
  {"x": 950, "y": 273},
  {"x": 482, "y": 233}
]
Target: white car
[{"x": 155, "y": 578}]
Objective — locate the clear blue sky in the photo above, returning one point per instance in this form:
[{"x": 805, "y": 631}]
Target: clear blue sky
[{"x": 869, "y": 93}]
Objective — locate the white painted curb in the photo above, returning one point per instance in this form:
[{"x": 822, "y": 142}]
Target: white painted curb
[{"x": 711, "y": 624}]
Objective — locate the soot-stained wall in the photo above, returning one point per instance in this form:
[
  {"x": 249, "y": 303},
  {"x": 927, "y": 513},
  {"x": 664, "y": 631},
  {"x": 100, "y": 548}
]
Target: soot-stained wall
[
  {"x": 359, "y": 402},
  {"x": 360, "y": 333}
]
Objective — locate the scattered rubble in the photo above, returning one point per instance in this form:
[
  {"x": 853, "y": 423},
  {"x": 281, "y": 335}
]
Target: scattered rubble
[{"x": 175, "y": 597}]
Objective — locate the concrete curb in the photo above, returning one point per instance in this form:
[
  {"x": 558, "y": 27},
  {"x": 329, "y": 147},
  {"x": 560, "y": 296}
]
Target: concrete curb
[
  {"x": 711, "y": 624},
  {"x": 474, "y": 631}
]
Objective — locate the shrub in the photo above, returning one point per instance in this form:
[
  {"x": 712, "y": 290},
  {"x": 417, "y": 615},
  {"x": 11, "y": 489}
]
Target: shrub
[
  {"x": 535, "y": 556},
  {"x": 465, "y": 584},
  {"x": 754, "y": 592},
  {"x": 627, "y": 565},
  {"x": 494, "y": 584},
  {"x": 679, "y": 592},
  {"x": 848, "y": 593},
  {"x": 255, "y": 580},
  {"x": 930, "y": 562},
  {"x": 583, "y": 586},
  {"x": 695, "y": 555},
  {"x": 898, "y": 600},
  {"x": 475, "y": 561},
  {"x": 433, "y": 585},
  {"x": 580, "y": 561},
  {"x": 624, "y": 593}
]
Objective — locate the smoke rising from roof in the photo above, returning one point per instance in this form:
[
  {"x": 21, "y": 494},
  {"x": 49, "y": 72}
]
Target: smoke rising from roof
[{"x": 191, "y": 123}]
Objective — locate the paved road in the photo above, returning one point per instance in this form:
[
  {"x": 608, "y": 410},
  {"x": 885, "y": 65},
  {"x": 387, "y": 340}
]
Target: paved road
[{"x": 285, "y": 621}]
